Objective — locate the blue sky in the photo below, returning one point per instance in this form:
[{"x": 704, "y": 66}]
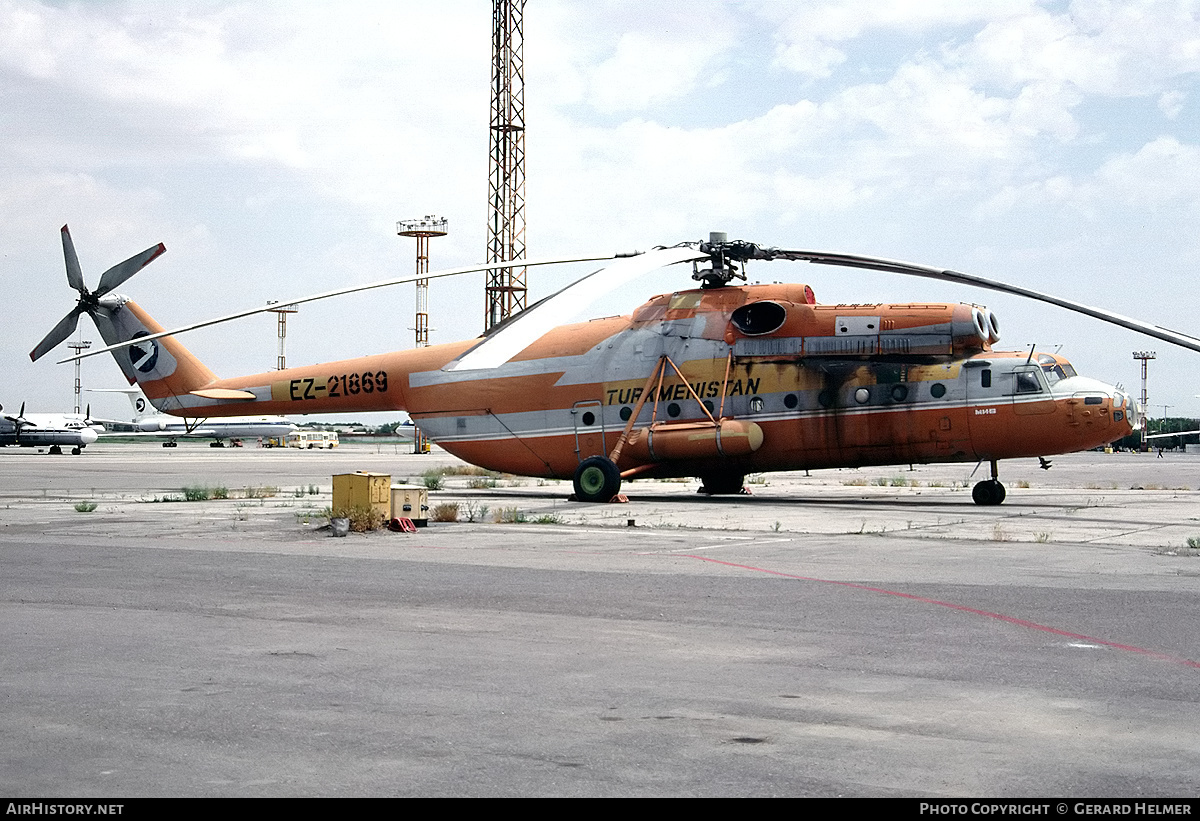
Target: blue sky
[{"x": 273, "y": 146}]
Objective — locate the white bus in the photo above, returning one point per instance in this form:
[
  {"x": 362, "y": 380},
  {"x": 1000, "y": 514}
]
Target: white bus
[{"x": 312, "y": 439}]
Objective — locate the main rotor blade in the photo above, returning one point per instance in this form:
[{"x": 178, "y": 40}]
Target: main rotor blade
[
  {"x": 897, "y": 267},
  {"x": 64, "y": 328},
  {"x": 114, "y": 276},
  {"x": 74, "y": 274},
  {"x": 527, "y": 326},
  {"x": 326, "y": 295}
]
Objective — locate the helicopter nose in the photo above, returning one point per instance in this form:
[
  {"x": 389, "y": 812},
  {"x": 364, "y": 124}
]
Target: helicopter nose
[{"x": 1092, "y": 403}]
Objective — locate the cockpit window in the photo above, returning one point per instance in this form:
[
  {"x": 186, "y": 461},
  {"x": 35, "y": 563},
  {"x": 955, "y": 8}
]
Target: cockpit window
[{"x": 1058, "y": 371}]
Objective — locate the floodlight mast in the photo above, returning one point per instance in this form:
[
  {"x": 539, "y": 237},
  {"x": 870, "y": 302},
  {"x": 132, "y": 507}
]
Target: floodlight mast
[
  {"x": 282, "y": 311},
  {"x": 1145, "y": 357},
  {"x": 81, "y": 345},
  {"x": 422, "y": 230}
]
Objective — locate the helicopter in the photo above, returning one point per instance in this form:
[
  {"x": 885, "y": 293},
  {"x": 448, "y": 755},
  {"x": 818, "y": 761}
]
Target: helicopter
[{"x": 715, "y": 382}]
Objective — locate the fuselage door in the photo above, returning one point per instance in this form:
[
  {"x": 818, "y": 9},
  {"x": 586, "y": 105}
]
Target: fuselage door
[
  {"x": 1030, "y": 394},
  {"x": 988, "y": 405}
]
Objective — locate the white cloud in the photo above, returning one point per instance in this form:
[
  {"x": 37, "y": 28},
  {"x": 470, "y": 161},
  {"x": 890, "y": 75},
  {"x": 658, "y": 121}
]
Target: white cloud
[{"x": 1170, "y": 103}]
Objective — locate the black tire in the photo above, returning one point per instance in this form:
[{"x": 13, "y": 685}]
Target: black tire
[
  {"x": 989, "y": 492},
  {"x": 722, "y": 484},
  {"x": 597, "y": 479}
]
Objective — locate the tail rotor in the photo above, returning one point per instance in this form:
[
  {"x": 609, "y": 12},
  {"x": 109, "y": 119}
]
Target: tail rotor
[{"x": 89, "y": 301}]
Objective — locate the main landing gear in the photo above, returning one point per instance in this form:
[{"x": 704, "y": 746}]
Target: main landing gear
[
  {"x": 722, "y": 484},
  {"x": 989, "y": 491},
  {"x": 597, "y": 479}
]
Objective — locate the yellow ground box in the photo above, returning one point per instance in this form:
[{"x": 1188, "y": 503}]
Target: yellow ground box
[{"x": 363, "y": 489}]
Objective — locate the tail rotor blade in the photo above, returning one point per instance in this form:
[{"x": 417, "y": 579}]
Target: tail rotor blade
[
  {"x": 74, "y": 274},
  {"x": 114, "y": 276},
  {"x": 59, "y": 333}
]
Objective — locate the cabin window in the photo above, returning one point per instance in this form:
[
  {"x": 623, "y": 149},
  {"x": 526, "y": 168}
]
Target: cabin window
[
  {"x": 1025, "y": 381},
  {"x": 937, "y": 390},
  {"x": 899, "y": 393},
  {"x": 673, "y": 410},
  {"x": 791, "y": 401},
  {"x": 985, "y": 378}
]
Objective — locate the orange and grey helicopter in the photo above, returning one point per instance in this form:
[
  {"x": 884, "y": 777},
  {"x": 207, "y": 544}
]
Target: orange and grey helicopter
[{"x": 714, "y": 382}]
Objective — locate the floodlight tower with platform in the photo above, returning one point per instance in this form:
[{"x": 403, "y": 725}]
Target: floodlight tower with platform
[
  {"x": 423, "y": 230},
  {"x": 281, "y": 311}
]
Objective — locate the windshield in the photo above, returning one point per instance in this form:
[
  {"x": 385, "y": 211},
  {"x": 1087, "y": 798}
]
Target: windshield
[{"x": 1054, "y": 369}]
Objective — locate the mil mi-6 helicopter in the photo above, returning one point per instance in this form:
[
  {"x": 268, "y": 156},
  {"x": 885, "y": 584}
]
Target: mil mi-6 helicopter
[{"x": 714, "y": 382}]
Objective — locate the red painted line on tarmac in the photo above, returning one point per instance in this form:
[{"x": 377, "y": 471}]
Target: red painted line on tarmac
[{"x": 1032, "y": 625}]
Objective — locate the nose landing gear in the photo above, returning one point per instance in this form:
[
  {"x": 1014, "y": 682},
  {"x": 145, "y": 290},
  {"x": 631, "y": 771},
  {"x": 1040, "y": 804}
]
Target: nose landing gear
[{"x": 989, "y": 491}]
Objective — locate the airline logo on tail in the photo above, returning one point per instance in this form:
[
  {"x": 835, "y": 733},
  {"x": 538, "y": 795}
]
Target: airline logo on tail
[{"x": 145, "y": 356}]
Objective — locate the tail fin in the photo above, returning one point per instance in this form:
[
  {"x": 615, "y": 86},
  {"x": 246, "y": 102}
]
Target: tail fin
[
  {"x": 163, "y": 368},
  {"x": 137, "y": 399}
]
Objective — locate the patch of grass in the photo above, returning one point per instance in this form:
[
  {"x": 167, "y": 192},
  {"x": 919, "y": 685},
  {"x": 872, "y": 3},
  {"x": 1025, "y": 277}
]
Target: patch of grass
[
  {"x": 998, "y": 533},
  {"x": 1023, "y": 483},
  {"x": 1192, "y": 541},
  {"x": 1042, "y": 538},
  {"x": 196, "y": 493},
  {"x": 447, "y": 512},
  {"x": 85, "y": 507},
  {"x": 433, "y": 480},
  {"x": 463, "y": 470},
  {"x": 481, "y": 482},
  {"x": 362, "y": 517},
  {"x": 262, "y": 492},
  {"x": 509, "y": 515},
  {"x": 474, "y": 512},
  {"x": 855, "y": 483},
  {"x": 313, "y": 490},
  {"x": 548, "y": 519}
]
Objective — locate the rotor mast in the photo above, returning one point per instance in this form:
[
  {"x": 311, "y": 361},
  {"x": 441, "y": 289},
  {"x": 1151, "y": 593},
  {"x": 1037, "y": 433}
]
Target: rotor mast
[{"x": 505, "y": 292}]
